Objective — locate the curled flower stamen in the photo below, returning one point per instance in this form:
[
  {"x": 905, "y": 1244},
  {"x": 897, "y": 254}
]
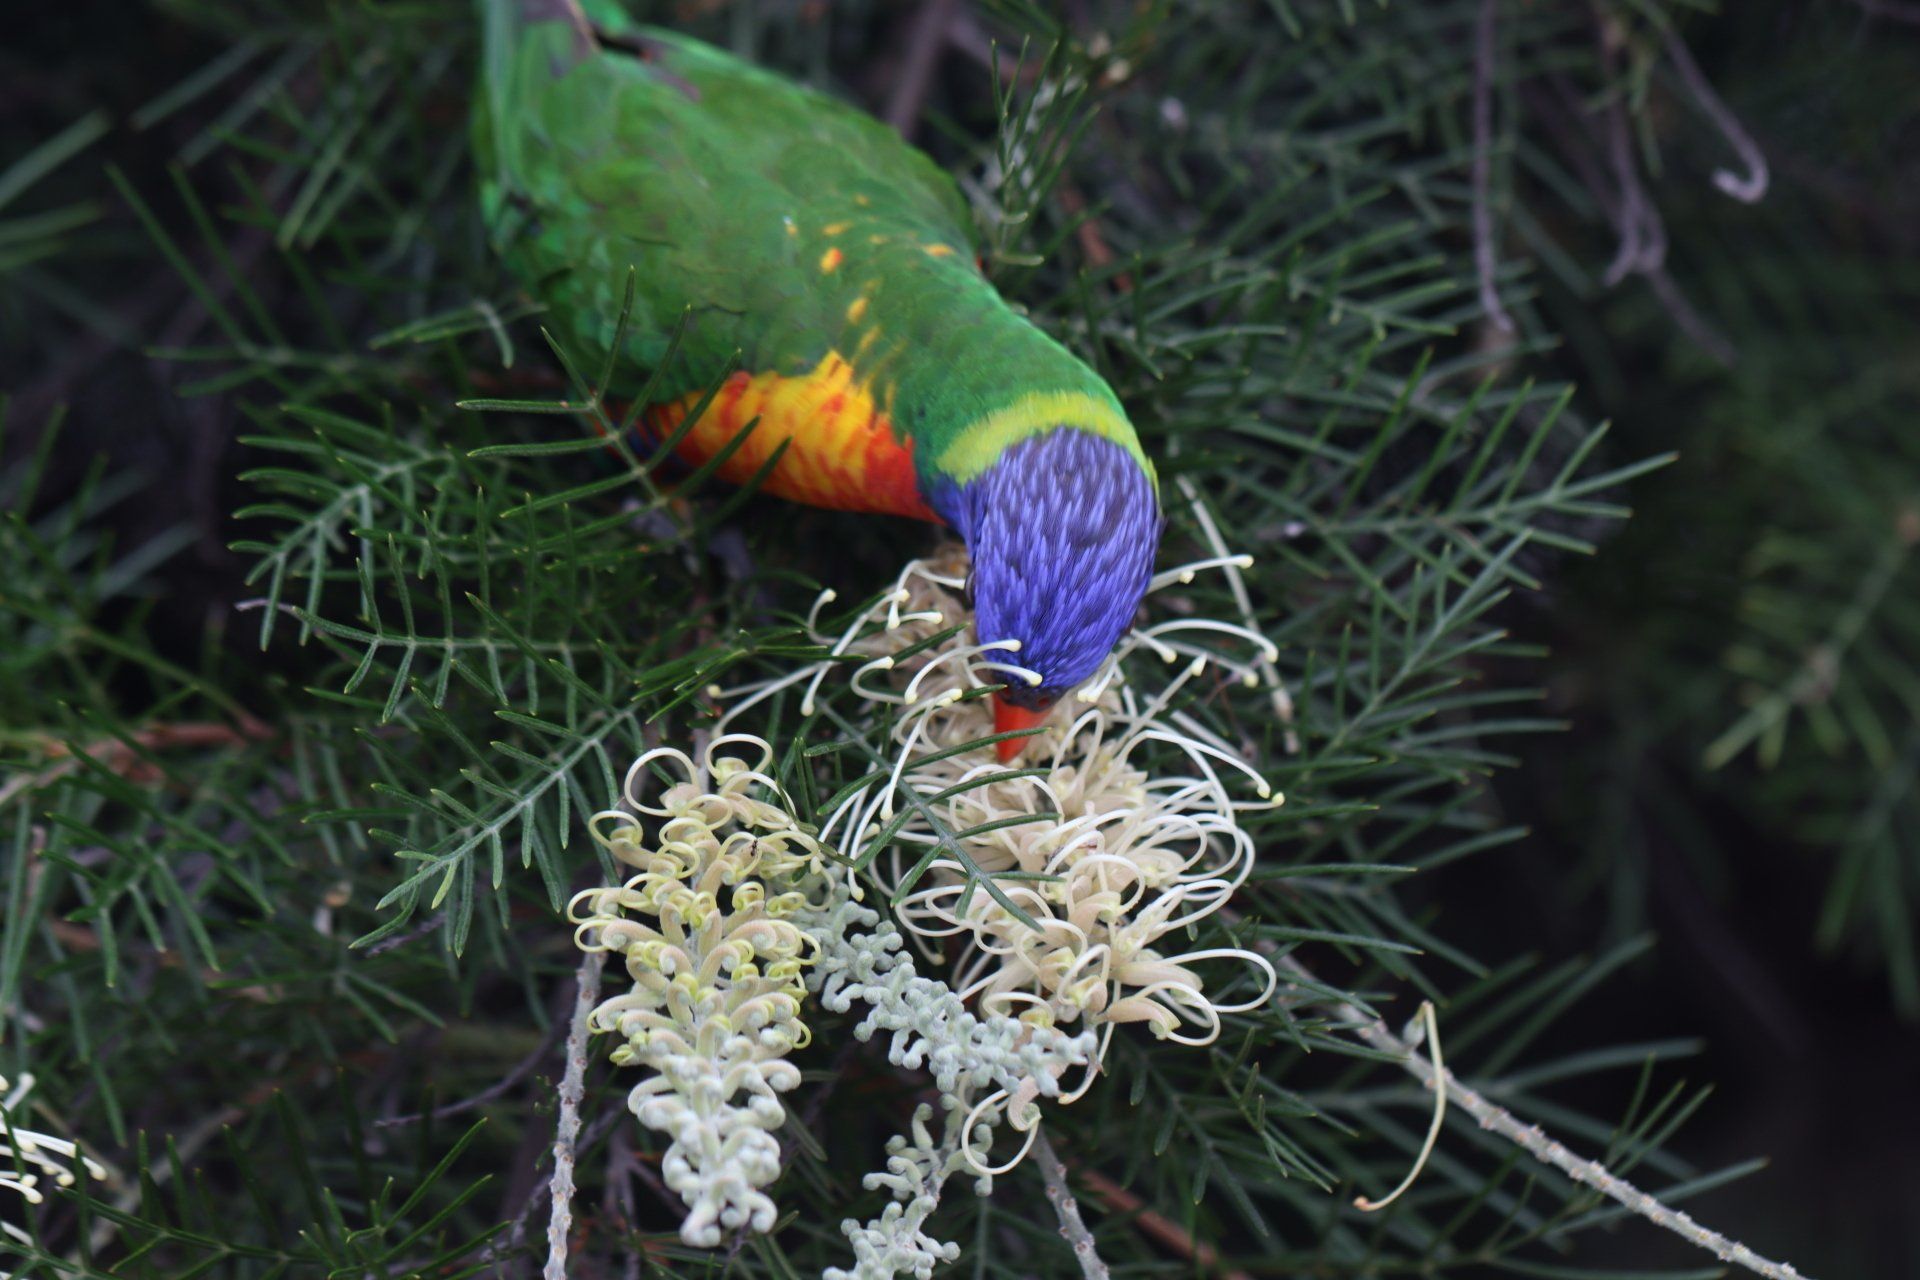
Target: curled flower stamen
[
  {"x": 30, "y": 1161},
  {"x": 1266, "y": 648},
  {"x": 820, "y": 602},
  {"x": 1032, "y": 1128},
  {"x": 1093, "y": 690},
  {"x": 1186, "y": 573},
  {"x": 882, "y": 663},
  {"x": 1277, "y": 694}
]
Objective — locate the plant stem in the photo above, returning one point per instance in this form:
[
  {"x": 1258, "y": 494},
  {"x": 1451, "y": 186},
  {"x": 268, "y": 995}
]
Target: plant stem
[
  {"x": 1072, "y": 1227},
  {"x": 567, "y": 1129},
  {"x": 1533, "y": 1140}
]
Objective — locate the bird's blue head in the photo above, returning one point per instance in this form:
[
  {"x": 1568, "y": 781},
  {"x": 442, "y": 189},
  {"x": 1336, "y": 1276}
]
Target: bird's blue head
[{"x": 1062, "y": 529}]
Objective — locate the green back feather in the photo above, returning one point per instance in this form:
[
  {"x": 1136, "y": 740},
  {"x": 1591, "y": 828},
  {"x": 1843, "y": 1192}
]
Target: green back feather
[{"x": 730, "y": 192}]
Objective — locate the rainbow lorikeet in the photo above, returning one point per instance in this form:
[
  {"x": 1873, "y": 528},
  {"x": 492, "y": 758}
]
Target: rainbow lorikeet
[{"x": 840, "y": 264}]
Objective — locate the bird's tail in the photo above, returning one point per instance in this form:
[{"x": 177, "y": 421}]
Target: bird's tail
[
  {"x": 504, "y": 25},
  {"x": 564, "y": 30}
]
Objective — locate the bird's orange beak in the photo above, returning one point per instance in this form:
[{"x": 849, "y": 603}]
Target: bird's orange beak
[{"x": 1006, "y": 719}]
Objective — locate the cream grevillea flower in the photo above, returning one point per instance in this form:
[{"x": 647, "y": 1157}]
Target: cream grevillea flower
[
  {"x": 30, "y": 1161},
  {"x": 717, "y": 971},
  {"x": 1118, "y": 830}
]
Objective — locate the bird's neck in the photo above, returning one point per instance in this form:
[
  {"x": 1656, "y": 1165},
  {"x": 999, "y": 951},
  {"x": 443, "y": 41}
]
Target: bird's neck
[{"x": 966, "y": 377}]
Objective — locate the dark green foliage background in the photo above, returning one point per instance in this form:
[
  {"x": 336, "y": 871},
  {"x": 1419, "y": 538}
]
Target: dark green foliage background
[{"x": 1646, "y": 819}]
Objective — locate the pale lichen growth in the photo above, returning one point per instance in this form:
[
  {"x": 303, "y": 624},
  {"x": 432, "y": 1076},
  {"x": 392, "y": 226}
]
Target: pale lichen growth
[{"x": 717, "y": 967}]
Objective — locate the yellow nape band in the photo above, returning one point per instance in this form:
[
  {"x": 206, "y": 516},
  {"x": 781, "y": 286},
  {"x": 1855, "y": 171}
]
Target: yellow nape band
[{"x": 981, "y": 444}]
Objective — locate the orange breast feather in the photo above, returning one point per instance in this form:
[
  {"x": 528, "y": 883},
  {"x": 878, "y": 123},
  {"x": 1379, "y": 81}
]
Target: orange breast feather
[{"x": 841, "y": 451}]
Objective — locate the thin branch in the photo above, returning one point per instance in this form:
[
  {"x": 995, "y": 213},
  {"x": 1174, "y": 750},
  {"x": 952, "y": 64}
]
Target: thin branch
[
  {"x": 1643, "y": 235},
  {"x": 516, "y": 1235},
  {"x": 123, "y": 757},
  {"x": 520, "y": 1071},
  {"x": 932, "y": 29},
  {"x": 1894, "y": 9},
  {"x": 1691, "y": 322},
  {"x": 624, "y": 1167},
  {"x": 1093, "y": 241},
  {"x": 1530, "y": 1138},
  {"x": 1748, "y": 188},
  {"x": 617, "y": 1201},
  {"x": 1072, "y": 1227},
  {"x": 1485, "y": 261},
  {"x": 1157, "y": 1226},
  {"x": 431, "y": 924},
  {"x": 567, "y": 1128}
]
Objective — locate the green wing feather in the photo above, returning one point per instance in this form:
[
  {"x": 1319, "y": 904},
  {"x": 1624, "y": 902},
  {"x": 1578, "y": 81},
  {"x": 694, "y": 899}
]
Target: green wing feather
[{"x": 788, "y": 224}]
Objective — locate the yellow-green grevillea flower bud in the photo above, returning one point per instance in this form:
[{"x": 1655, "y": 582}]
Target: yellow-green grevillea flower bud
[{"x": 717, "y": 969}]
